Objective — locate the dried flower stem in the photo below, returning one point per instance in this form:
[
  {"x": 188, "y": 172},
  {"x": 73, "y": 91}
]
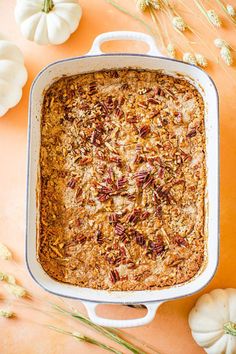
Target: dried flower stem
[
  {"x": 109, "y": 333},
  {"x": 157, "y": 23},
  {"x": 206, "y": 13},
  {"x": 222, "y": 5},
  {"x": 86, "y": 339},
  {"x": 125, "y": 11}
]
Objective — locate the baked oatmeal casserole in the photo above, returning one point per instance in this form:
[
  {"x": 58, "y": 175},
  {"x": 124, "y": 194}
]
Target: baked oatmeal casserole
[{"x": 122, "y": 180}]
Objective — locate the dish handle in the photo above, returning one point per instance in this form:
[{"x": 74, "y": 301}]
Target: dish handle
[
  {"x": 136, "y": 322},
  {"x": 124, "y": 35}
]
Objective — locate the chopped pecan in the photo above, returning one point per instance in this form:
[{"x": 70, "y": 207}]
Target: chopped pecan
[
  {"x": 158, "y": 91},
  {"x": 152, "y": 100},
  {"x": 181, "y": 241},
  {"x": 85, "y": 160},
  {"x": 113, "y": 218},
  {"x": 121, "y": 182},
  {"x": 133, "y": 119},
  {"x": 103, "y": 197},
  {"x": 191, "y": 133},
  {"x": 72, "y": 183},
  {"x": 156, "y": 248},
  {"x": 149, "y": 181},
  {"x": 142, "y": 104},
  {"x": 78, "y": 192},
  {"x": 124, "y": 86},
  {"x": 99, "y": 237},
  {"x": 92, "y": 88},
  {"x": 81, "y": 238},
  {"x": 119, "y": 112},
  {"x": 117, "y": 160},
  {"x": 114, "y": 276},
  {"x": 144, "y": 215},
  {"x": 134, "y": 216},
  {"x": 158, "y": 211},
  {"x": 141, "y": 177},
  {"x": 144, "y": 131},
  {"x": 119, "y": 229},
  {"x": 139, "y": 238},
  {"x": 96, "y": 137}
]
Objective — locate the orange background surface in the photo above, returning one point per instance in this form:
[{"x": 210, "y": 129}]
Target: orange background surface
[{"x": 169, "y": 332}]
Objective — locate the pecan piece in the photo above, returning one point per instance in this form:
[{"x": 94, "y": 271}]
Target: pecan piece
[
  {"x": 99, "y": 237},
  {"x": 149, "y": 180},
  {"x": 119, "y": 229},
  {"x": 85, "y": 160},
  {"x": 155, "y": 248},
  {"x": 114, "y": 276},
  {"x": 132, "y": 119},
  {"x": 81, "y": 239},
  {"x": 181, "y": 241},
  {"x": 72, "y": 182},
  {"x": 103, "y": 197},
  {"x": 118, "y": 112},
  {"x": 152, "y": 100},
  {"x": 141, "y": 177},
  {"x": 113, "y": 218},
  {"x": 158, "y": 211},
  {"x": 142, "y": 104},
  {"x": 134, "y": 216},
  {"x": 96, "y": 137},
  {"x": 78, "y": 193},
  {"x": 139, "y": 239},
  {"x": 121, "y": 182},
  {"x": 117, "y": 160},
  {"x": 144, "y": 131},
  {"x": 92, "y": 88},
  {"x": 144, "y": 215},
  {"x": 158, "y": 91},
  {"x": 191, "y": 133}
]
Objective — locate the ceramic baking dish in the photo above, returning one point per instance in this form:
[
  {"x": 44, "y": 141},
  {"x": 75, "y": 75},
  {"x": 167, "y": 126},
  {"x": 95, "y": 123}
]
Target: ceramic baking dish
[{"x": 93, "y": 61}]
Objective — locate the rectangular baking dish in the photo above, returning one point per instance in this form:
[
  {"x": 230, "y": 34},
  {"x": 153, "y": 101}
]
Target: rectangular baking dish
[{"x": 95, "y": 60}]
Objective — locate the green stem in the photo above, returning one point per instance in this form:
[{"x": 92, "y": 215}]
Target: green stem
[
  {"x": 47, "y": 6},
  {"x": 230, "y": 328}
]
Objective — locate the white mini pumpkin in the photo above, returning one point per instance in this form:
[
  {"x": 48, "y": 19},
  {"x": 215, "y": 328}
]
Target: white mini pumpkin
[
  {"x": 213, "y": 321},
  {"x": 47, "y": 21},
  {"x": 13, "y": 75}
]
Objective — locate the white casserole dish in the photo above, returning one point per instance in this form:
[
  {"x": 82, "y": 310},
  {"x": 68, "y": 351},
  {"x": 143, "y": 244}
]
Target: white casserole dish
[{"x": 94, "y": 61}]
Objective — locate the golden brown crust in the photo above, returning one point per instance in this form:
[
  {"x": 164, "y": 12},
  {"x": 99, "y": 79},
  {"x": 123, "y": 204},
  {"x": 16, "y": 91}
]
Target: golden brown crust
[{"x": 122, "y": 163}]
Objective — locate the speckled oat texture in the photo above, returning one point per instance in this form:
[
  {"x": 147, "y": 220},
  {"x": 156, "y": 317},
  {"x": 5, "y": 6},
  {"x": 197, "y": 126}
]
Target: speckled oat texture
[{"x": 122, "y": 180}]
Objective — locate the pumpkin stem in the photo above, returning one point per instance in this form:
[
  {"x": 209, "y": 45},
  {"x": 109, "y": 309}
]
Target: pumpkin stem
[
  {"x": 230, "y": 328},
  {"x": 47, "y": 6}
]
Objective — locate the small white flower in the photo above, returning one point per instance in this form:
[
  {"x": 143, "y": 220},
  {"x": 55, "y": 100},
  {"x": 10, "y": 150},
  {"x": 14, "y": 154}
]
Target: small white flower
[
  {"x": 179, "y": 23},
  {"x": 6, "y": 313},
  {"x": 5, "y": 253},
  {"x": 142, "y": 5},
  {"x": 214, "y": 18},
  {"x": 16, "y": 290},
  {"x": 230, "y": 9},
  {"x": 171, "y": 50},
  {"x": 226, "y": 55},
  {"x": 201, "y": 60},
  {"x": 189, "y": 58},
  {"x": 219, "y": 43}
]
